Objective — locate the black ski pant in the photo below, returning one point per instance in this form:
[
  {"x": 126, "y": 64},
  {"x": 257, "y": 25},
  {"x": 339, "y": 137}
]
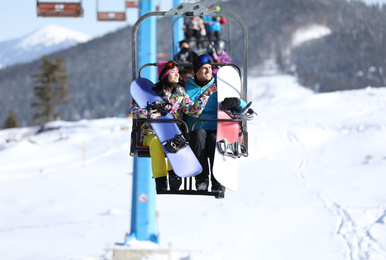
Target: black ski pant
[{"x": 203, "y": 144}]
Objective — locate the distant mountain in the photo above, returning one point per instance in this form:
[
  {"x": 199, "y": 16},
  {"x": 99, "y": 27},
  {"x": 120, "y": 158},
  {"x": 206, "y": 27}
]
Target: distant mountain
[
  {"x": 328, "y": 44},
  {"x": 99, "y": 75},
  {"x": 46, "y": 40}
]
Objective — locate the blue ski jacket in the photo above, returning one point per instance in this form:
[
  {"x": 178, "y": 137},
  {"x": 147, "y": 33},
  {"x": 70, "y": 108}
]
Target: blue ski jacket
[
  {"x": 212, "y": 24},
  {"x": 210, "y": 110}
]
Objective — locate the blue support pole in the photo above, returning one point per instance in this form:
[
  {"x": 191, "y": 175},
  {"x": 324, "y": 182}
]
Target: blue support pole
[
  {"x": 143, "y": 209},
  {"x": 178, "y": 32},
  {"x": 147, "y": 39}
]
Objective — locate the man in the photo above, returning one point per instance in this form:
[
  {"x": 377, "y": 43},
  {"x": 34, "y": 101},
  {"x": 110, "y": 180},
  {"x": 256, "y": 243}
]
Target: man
[
  {"x": 185, "y": 55},
  {"x": 203, "y": 136}
]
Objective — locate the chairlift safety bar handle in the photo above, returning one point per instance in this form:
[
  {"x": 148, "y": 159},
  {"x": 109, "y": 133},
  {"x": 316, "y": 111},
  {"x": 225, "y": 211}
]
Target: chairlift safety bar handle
[{"x": 165, "y": 120}]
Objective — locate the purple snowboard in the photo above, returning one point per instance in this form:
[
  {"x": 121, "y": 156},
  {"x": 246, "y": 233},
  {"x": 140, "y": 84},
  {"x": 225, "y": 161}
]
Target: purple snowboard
[{"x": 183, "y": 162}]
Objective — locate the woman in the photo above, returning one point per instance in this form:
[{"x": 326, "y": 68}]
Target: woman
[{"x": 179, "y": 103}]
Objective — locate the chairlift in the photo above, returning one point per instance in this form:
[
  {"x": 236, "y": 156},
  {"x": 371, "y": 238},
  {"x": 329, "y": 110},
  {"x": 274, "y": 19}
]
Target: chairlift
[
  {"x": 59, "y": 9},
  {"x": 136, "y": 148},
  {"x": 134, "y": 4},
  {"x": 205, "y": 42},
  {"x": 104, "y": 16},
  {"x": 131, "y": 3}
]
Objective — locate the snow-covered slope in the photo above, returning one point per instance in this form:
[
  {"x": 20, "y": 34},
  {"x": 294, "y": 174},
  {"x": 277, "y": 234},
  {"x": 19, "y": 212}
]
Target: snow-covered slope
[
  {"x": 48, "y": 39},
  {"x": 310, "y": 32},
  {"x": 312, "y": 188}
]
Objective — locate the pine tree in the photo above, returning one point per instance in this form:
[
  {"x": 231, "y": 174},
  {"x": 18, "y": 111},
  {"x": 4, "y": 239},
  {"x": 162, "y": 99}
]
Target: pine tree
[
  {"x": 11, "y": 121},
  {"x": 50, "y": 90}
]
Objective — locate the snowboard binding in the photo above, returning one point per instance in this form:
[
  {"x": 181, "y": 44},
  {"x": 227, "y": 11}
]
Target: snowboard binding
[
  {"x": 237, "y": 108},
  {"x": 234, "y": 150},
  {"x": 177, "y": 143},
  {"x": 158, "y": 105}
]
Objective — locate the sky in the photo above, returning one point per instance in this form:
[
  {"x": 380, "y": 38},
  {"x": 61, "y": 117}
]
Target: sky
[
  {"x": 18, "y": 17},
  {"x": 312, "y": 187}
]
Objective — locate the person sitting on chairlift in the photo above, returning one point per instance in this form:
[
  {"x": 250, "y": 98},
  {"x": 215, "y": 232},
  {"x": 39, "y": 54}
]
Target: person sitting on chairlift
[{"x": 177, "y": 103}]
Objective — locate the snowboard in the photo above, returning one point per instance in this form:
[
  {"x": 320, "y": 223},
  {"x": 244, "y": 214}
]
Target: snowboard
[
  {"x": 225, "y": 168},
  {"x": 184, "y": 162}
]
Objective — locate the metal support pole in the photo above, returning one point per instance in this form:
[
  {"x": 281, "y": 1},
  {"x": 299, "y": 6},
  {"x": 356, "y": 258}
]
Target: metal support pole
[
  {"x": 147, "y": 40},
  {"x": 177, "y": 30},
  {"x": 143, "y": 209}
]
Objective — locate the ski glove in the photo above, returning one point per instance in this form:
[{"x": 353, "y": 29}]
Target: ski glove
[
  {"x": 237, "y": 108},
  {"x": 158, "y": 105},
  {"x": 230, "y": 103},
  {"x": 235, "y": 105}
]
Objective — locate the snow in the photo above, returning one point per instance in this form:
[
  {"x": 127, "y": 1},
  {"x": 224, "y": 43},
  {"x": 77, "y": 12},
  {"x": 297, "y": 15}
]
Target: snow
[
  {"x": 52, "y": 35},
  {"x": 309, "y": 32},
  {"x": 311, "y": 188}
]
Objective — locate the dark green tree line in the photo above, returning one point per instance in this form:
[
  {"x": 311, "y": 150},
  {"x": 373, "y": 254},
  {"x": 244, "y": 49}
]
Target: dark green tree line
[
  {"x": 50, "y": 90},
  {"x": 11, "y": 121}
]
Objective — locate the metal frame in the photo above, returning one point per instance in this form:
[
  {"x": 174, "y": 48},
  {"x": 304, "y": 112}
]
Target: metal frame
[
  {"x": 189, "y": 10},
  {"x": 182, "y": 10}
]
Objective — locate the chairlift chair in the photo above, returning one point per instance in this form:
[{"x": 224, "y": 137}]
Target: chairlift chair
[
  {"x": 131, "y": 3},
  {"x": 187, "y": 10},
  {"x": 59, "y": 9},
  {"x": 205, "y": 42},
  {"x": 116, "y": 16},
  {"x": 134, "y": 4}
]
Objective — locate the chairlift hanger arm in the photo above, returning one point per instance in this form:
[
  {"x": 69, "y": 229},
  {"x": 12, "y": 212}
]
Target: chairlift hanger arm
[{"x": 193, "y": 9}]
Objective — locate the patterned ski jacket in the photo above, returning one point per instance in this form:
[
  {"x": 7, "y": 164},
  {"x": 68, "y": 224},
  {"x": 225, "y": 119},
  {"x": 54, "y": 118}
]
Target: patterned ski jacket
[
  {"x": 180, "y": 104},
  {"x": 196, "y": 23},
  {"x": 210, "y": 111}
]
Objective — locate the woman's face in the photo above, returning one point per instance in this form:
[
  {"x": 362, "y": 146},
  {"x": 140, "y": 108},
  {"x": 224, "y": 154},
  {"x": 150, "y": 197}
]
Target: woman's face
[{"x": 174, "y": 76}]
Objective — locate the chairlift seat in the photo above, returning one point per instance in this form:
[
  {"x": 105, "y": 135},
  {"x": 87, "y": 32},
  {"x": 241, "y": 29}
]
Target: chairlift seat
[
  {"x": 111, "y": 16},
  {"x": 130, "y": 4},
  {"x": 59, "y": 9}
]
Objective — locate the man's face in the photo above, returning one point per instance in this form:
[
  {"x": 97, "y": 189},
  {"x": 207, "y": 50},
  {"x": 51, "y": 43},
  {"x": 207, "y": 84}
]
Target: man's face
[
  {"x": 185, "y": 45},
  {"x": 204, "y": 73}
]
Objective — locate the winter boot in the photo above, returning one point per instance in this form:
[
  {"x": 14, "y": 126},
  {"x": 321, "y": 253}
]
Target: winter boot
[
  {"x": 174, "y": 181},
  {"x": 202, "y": 184},
  {"x": 217, "y": 187},
  {"x": 161, "y": 184}
]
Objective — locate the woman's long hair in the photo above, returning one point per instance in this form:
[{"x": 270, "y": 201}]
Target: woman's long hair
[{"x": 161, "y": 85}]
